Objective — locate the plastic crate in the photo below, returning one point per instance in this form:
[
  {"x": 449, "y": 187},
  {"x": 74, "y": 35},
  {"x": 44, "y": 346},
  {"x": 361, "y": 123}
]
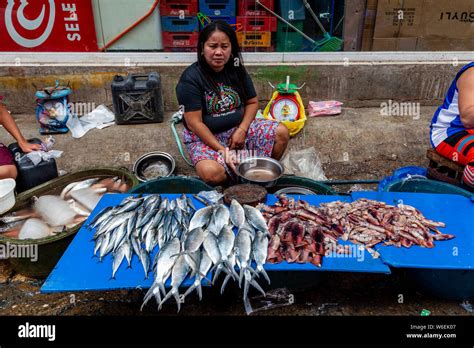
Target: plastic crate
[
  {"x": 255, "y": 39},
  {"x": 258, "y": 23},
  {"x": 218, "y": 8},
  {"x": 177, "y": 25},
  {"x": 178, "y": 7},
  {"x": 251, "y": 8},
  {"x": 137, "y": 98},
  {"x": 258, "y": 49},
  {"x": 287, "y": 39},
  {"x": 180, "y": 40},
  {"x": 180, "y": 49},
  {"x": 292, "y": 10},
  {"x": 230, "y": 20}
]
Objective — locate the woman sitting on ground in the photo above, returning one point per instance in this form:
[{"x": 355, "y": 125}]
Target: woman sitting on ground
[
  {"x": 452, "y": 127},
  {"x": 220, "y": 105},
  {"x": 7, "y": 165}
]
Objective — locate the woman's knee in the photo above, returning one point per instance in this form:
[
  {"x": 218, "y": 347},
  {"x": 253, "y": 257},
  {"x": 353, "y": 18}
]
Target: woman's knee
[
  {"x": 8, "y": 171},
  {"x": 213, "y": 174},
  {"x": 282, "y": 134}
]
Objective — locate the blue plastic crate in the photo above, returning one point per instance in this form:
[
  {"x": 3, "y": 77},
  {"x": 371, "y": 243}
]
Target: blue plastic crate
[
  {"x": 230, "y": 20},
  {"x": 218, "y": 8},
  {"x": 175, "y": 24},
  {"x": 292, "y": 10}
]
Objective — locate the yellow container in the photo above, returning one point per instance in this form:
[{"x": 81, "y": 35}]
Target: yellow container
[
  {"x": 294, "y": 127},
  {"x": 255, "y": 39}
]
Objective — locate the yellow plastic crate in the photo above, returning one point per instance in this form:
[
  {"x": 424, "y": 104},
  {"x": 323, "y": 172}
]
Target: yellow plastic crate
[{"x": 255, "y": 39}]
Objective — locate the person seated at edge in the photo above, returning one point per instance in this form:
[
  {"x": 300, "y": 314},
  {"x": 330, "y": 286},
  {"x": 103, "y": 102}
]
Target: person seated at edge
[
  {"x": 7, "y": 166},
  {"x": 452, "y": 127},
  {"x": 220, "y": 105}
]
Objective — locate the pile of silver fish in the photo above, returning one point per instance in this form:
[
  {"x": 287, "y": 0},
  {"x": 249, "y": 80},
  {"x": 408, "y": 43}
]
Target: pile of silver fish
[
  {"x": 49, "y": 215},
  {"x": 192, "y": 244},
  {"x": 137, "y": 225},
  {"x": 210, "y": 244},
  {"x": 301, "y": 232}
]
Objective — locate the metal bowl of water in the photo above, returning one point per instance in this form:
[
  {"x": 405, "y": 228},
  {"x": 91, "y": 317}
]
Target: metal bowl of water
[
  {"x": 154, "y": 165},
  {"x": 264, "y": 171}
]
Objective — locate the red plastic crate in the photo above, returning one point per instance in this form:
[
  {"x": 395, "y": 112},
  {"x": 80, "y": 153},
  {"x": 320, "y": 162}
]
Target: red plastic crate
[
  {"x": 173, "y": 7},
  {"x": 181, "y": 40},
  {"x": 180, "y": 49},
  {"x": 258, "y": 23},
  {"x": 250, "y": 7}
]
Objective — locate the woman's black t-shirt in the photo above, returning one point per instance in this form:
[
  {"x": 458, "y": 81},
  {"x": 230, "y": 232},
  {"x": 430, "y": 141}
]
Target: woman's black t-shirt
[{"x": 220, "y": 112}]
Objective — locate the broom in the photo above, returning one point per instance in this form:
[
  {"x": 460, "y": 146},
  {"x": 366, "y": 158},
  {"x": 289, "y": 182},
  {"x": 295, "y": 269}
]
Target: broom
[{"x": 329, "y": 43}]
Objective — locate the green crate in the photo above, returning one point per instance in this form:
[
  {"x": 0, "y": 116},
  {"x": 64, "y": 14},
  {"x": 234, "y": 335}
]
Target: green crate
[{"x": 287, "y": 39}]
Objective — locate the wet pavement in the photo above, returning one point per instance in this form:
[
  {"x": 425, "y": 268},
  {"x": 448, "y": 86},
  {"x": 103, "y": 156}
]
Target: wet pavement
[{"x": 308, "y": 293}]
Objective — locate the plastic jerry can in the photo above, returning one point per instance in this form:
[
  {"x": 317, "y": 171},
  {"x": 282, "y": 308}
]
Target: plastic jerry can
[
  {"x": 30, "y": 175},
  {"x": 137, "y": 98}
]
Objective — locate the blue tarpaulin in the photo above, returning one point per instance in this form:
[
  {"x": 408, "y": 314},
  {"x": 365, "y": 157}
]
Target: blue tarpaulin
[{"x": 77, "y": 270}]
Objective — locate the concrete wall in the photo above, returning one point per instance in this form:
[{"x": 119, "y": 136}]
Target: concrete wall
[{"x": 356, "y": 81}]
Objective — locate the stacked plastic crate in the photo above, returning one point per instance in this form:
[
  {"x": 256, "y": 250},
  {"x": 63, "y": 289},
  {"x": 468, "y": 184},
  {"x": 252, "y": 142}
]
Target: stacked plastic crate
[
  {"x": 287, "y": 39},
  {"x": 257, "y": 26},
  {"x": 180, "y": 25},
  {"x": 219, "y": 10}
]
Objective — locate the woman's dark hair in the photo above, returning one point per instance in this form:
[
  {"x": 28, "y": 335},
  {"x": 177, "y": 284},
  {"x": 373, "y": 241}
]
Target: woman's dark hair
[{"x": 234, "y": 71}]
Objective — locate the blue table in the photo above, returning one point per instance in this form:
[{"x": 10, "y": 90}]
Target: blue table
[{"x": 78, "y": 271}]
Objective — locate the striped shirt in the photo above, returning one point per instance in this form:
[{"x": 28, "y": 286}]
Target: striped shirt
[{"x": 446, "y": 120}]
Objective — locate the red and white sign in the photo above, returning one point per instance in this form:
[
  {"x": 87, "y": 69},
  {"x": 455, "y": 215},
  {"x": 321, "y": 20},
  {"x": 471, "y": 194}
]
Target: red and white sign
[{"x": 47, "y": 26}]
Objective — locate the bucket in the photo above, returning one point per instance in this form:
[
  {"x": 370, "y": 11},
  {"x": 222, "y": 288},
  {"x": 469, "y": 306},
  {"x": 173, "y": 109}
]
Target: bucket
[
  {"x": 449, "y": 284},
  {"x": 7, "y": 194},
  {"x": 174, "y": 184},
  {"x": 50, "y": 249},
  {"x": 425, "y": 186},
  {"x": 297, "y": 181}
]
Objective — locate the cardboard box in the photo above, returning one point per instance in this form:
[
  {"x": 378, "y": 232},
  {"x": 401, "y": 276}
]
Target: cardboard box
[{"x": 437, "y": 25}]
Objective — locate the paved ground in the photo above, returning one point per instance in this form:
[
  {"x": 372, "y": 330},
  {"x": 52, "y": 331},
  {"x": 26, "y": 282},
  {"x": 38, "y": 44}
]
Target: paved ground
[{"x": 359, "y": 144}]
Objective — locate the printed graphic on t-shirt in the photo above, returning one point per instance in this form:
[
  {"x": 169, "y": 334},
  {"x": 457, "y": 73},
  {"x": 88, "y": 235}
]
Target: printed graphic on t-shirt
[{"x": 220, "y": 105}]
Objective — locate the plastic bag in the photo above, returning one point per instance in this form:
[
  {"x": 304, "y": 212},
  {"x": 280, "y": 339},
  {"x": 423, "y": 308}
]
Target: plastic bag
[
  {"x": 274, "y": 299},
  {"x": 212, "y": 197},
  {"x": 101, "y": 117},
  {"x": 304, "y": 163},
  {"x": 324, "y": 108}
]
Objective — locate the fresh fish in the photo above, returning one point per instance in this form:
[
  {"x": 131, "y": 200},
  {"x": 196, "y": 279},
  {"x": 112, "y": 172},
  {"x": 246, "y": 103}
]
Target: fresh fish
[
  {"x": 78, "y": 186},
  {"x": 119, "y": 255},
  {"x": 204, "y": 267},
  {"x": 164, "y": 204},
  {"x": 120, "y": 234},
  {"x": 237, "y": 213},
  {"x": 135, "y": 245},
  {"x": 221, "y": 217},
  {"x": 182, "y": 203},
  {"x": 226, "y": 241},
  {"x": 131, "y": 223},
  {"x": 104, "y": 245},
  {"x": 99, "y": 215},
  {"x": 116, "y": 221},
  {"x": 15, "y": 218},
  {"x": 128, "y": 252},
  {"x": 190, "y": 203},
  {"x": 194, "y": 240},
  {"x": 260, "y": 251},
  {"x": 201, "y": 218},
  {"x": 98, "y": 243},
  {"x": 178, "y": 274},
  {"x": 255, "y": 217},
  {"x": 243, "y": 250},
  {"x": 164, "y": 262},
  {"x": 145, "y": 261},
  {"x": 131, "y": 205}
]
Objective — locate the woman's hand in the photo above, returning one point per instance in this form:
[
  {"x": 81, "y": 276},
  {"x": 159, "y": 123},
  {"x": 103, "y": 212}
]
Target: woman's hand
[
  {"x": 237, "y": 139},
  {"x": 26, "y": 147},
  {"x": 230, "y": 159}
]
